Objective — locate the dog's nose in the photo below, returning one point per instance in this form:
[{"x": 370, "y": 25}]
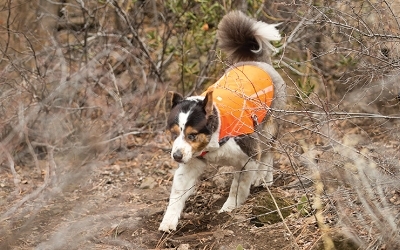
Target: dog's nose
[{"x": 177, "y": 156}]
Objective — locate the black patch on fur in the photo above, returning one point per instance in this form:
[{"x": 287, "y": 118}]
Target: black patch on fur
[
  {"x": 250, "y": 145},
  {"x": 197, "y": 120},
  {"x": 182, "y": 107},
  {"x": 175, "y": 99},
  {"x": 236, "y": 36},
  {"x": 197, "y": 117}
]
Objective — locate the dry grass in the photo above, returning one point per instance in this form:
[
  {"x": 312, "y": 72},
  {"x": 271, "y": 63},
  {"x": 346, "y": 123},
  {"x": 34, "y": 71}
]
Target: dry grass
[{"x": 82, "y": 91}]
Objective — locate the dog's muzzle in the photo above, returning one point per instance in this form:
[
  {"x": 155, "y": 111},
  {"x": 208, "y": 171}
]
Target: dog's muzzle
[{"x": 178, "y": 156}]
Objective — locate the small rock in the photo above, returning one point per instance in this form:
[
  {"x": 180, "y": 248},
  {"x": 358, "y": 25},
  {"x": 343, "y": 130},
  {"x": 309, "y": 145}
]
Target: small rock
[
  {"x": 352, "y": 140},
  {"x": 310, "y": 158},
  {"x": 166, "y": 164},
  {"x": 183, "y": 247},
  {"x": 137, "y": 171},
  {"x": 116, "y": 168},
  {"x": 148, "y": 183},
  {"x": 216, "y": 196},
  {"x": 219, "y": 234}
]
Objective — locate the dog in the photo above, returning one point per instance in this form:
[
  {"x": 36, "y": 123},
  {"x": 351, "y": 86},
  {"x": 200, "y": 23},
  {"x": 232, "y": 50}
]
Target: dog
[{"x": 232, "y": 122}]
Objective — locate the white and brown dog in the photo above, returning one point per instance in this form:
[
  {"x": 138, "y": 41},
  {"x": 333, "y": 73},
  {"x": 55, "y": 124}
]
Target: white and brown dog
[{"x": 232, "y": 123}]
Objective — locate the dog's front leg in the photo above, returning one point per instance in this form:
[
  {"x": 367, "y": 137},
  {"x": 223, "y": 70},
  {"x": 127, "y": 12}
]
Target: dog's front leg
[
  {"x": 183, "y": 186},
  {"x": 240, "y": 187}
]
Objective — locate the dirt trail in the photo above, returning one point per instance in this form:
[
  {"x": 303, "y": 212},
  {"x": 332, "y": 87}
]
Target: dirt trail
[{"x": 117, "y": 202}]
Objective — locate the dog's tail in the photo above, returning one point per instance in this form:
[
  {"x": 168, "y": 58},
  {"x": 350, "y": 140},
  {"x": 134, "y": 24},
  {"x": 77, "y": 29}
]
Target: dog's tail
[{"x": 245, "y": 39}]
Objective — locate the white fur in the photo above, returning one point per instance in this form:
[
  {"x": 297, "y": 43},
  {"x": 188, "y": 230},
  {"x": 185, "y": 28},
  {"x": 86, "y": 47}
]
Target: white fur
[
  {"x": 180, "y": 144},
  {"x": 264, "y": 175},
  {"x": 195, "y": 98},
  {"x": 230, "y": 154},
  {"x": 182, "y": 187},
  {"x": 246, "y": 173},
  {"x": 264, "y": 33},
  {"x": 182, "y": 120}
]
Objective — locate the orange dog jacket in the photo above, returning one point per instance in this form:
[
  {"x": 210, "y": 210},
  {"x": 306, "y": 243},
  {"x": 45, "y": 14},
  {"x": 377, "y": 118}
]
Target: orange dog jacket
[{"x": 243, "y": 96}]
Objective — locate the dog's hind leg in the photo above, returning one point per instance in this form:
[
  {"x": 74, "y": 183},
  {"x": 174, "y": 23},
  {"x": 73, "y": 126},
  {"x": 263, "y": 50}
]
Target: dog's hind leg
[
  {"x": 264, "y": 176},
  {"x": 183, "y": 186},
  {"x": 267, "y": 135},
  {"x": 240, "y": 187}
]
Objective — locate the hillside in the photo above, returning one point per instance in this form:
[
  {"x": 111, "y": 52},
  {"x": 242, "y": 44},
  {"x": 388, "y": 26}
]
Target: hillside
[{"x": 85, "y": 163}]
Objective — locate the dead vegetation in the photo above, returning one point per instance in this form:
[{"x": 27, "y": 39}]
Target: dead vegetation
[{"x": 84, "y": 163}]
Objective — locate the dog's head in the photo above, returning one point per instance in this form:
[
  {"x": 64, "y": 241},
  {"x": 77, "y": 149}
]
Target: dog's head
[{"x": 191, "y": 123}]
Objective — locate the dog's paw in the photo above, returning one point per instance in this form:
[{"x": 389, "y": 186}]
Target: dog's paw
[
  {"x": 262, "y": 182},
  {"x": 258, "y": 182},
  {"x": 168, "y": 224},
  {"x": 227, "y": 207}
]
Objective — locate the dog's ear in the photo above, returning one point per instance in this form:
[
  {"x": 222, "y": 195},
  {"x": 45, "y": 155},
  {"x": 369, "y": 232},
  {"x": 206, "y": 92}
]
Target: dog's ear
[
  {"x": 208, "y": 103},
  {"x": 175, "y": 98}
]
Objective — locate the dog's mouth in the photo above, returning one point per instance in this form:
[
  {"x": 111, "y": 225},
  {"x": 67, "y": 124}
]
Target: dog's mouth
[
  {"x": 199, "y": 155},
  {"x": 178, "y": 161}
]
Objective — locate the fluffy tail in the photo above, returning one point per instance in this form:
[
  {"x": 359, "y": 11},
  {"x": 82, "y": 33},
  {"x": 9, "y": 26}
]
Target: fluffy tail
[{"x": 245, "y": 39}]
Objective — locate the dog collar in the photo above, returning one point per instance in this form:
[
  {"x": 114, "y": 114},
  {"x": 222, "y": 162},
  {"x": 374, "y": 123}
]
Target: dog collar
[
  {"x": 221, "y": 142},
  {"x": 202, "y": 154}
]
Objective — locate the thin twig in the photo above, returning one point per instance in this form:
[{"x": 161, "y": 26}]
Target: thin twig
[
  {"x": 17, "y": 178},
  {"x": 282, "y": 218},
  {"x": 31, "y": 150},
  {"x": 349, "y": 115},
  {"x": 52, "y": 163},
  {"x": 204, "y": 71},
  {"x": 142, "y": 46}
]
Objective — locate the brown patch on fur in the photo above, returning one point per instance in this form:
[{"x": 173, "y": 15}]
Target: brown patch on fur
[
  {"x": 173, "y": 132},
  {"x": 175, "y": 129},
  {"x": 200, "y": 141},
  {"x": 190, "y": 130}
]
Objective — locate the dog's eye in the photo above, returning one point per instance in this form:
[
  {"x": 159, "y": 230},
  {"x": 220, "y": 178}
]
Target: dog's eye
[{"x": 191, "y": 137}]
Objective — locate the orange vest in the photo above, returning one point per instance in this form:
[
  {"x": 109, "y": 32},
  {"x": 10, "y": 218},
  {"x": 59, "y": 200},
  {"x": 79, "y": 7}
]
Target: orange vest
[{"x": 243, "y": 96}]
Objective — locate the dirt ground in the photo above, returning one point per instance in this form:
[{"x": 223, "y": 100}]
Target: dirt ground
[
  {"x": 119, "y": 205},
  {"x": 117, "y": 202}
]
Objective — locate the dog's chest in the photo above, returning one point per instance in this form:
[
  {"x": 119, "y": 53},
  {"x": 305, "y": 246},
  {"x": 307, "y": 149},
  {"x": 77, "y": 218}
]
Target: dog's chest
[{"x": 228, "y": 154}]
